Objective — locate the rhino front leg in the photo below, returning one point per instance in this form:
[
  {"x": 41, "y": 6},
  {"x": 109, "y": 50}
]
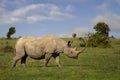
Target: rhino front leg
[
  {"x": 47, "y": 58},
  {"x": 57, "y": 59}
]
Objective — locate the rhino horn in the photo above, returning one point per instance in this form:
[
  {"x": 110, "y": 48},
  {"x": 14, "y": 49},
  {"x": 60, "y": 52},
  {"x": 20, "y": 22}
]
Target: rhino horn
[
  {"x": 84, "y": 47},
  {"x": 75, "y": 48}
]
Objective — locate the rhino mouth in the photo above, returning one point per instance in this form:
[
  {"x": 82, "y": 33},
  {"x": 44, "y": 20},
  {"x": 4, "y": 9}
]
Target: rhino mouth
[{"x": 74, "y": 56}]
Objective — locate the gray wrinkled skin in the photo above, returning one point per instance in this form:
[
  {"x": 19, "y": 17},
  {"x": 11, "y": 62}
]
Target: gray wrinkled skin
[{"x": 42, "y": 48}]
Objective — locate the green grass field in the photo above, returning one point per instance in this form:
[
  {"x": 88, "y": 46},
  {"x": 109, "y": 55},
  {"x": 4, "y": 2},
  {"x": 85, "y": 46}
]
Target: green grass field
[{"x": 93, "y": 64}]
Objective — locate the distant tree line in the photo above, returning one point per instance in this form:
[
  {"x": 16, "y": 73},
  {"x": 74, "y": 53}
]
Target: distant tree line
[{"x": 99, "y": 38}]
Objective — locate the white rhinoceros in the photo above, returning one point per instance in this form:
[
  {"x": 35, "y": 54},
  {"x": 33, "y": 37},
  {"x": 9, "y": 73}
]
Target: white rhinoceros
[{"x": 43, "y": 48}]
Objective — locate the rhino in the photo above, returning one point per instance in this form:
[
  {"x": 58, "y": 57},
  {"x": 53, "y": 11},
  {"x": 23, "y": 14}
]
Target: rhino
[{"x": 43, "y": 48}]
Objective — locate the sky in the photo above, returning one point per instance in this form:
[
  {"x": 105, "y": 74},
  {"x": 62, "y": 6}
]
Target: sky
[{"x": 58, "y": 17}]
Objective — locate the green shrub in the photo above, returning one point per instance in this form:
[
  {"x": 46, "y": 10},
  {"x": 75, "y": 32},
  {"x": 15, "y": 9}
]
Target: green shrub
[{"x": 98, "y": 40}]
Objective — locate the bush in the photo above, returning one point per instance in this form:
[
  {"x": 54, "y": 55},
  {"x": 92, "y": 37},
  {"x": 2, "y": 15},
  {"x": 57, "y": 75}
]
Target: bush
[
  {"x": 98, "y": 40},
  {"x": 7, "y": 49}
]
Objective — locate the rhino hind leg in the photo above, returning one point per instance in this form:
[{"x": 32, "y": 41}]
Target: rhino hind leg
[
  {"x": 23, "y": 59},
  {"x": 15, "y": 59}
]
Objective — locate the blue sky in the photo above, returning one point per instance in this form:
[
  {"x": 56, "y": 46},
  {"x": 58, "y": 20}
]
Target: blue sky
[{"x": 58, "y": 17}]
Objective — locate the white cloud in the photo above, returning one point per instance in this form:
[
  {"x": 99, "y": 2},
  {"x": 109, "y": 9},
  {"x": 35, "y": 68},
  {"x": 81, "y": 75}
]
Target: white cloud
[
  {"x": 118, "y": 1},
  {"x": 57, "y": 15},
  {"x": 113, "y": 20},
  {"x": 13, "y": 3},
  {"x": 103, "y": 7},
  {"x": 69, "y": 8},
  {"x": 34, "y": 13},
  {"x": 24, "y": 10},
  {"x": 3, "y": 11},
  {"x": 35, "y": 18},
  {"x": 80, "y": 31},
  {"x": 107, "y": 16}
]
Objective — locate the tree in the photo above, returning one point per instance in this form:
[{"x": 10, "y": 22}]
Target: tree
[
  {"x": 11, "y": 32},
  {"x": 101, "y": 36},
  {"x": 102, "y": 28},
  {"x": 74, "y": 35}
]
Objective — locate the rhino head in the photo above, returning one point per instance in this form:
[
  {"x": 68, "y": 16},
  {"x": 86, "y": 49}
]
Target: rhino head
[{"x": 73, "y": 52}]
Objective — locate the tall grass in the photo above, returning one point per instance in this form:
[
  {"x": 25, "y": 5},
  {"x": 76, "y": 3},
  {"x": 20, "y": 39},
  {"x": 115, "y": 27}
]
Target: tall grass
[
  {"x": 93, "y": 64},
  {"x": 7, "y": 45}
]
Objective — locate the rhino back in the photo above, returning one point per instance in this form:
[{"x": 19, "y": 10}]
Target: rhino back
[
  {"x": 19, "y": 47},
  {"x": 54, "y": 43}
]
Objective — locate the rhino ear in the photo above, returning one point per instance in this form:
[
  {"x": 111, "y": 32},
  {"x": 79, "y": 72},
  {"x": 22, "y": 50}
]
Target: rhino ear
[{"x": 69, "y": 44}]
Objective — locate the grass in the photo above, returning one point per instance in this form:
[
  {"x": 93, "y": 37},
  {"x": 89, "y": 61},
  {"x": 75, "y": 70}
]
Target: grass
[{"x": 93, "y": 64}]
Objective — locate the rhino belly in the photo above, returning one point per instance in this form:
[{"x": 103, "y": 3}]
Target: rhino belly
[
  {"x": 38, "y": 57},
  {"x": 35, "y": 53}
]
